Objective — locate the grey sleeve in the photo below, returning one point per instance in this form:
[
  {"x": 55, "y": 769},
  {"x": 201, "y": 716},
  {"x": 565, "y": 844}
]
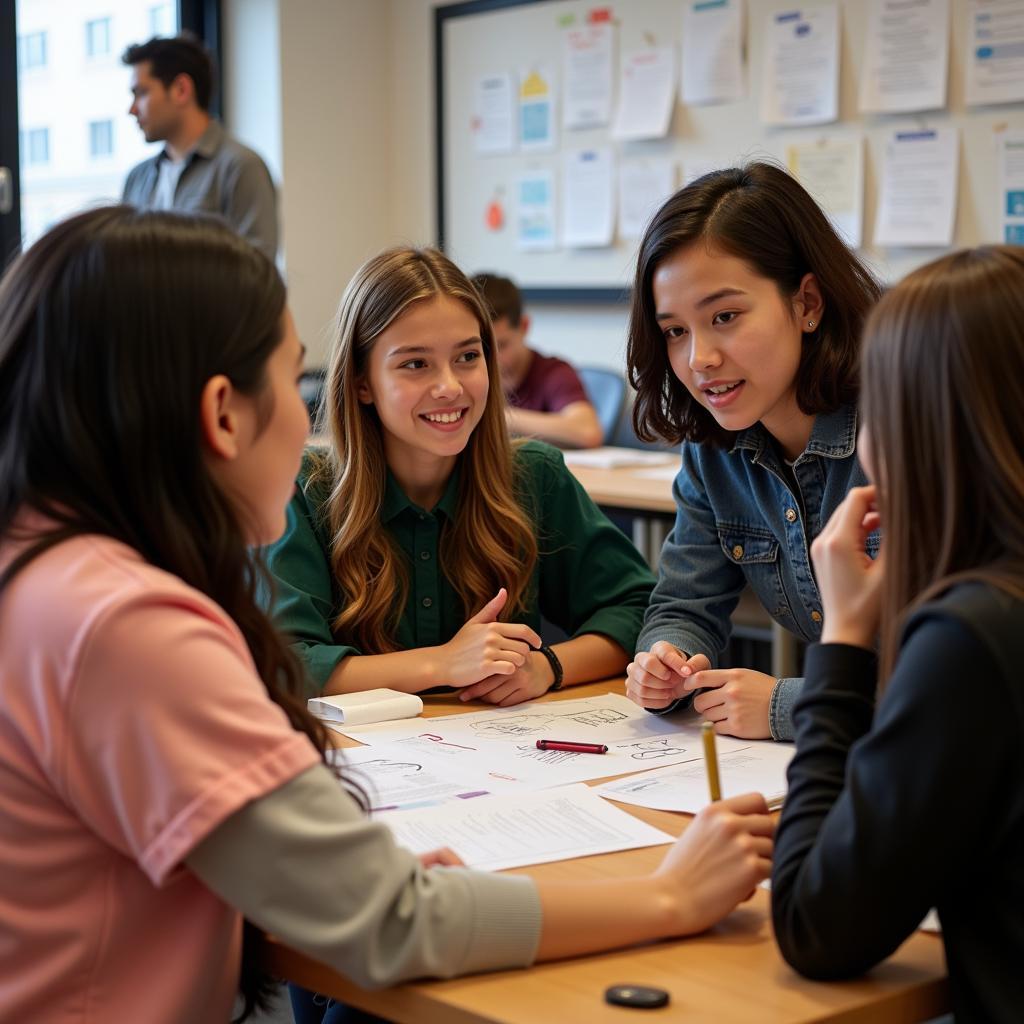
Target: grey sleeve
[
  {"x": 780, "y": 707},
  {"x": 251, "y": 205},
  {"x": 305, "y": 864}
]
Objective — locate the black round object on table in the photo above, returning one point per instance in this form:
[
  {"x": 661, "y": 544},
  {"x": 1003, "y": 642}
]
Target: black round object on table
[{"x": 637, "y": 997}]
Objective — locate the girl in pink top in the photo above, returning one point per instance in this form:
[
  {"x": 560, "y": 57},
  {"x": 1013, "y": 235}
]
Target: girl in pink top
[{"x": 159, "y": 779}]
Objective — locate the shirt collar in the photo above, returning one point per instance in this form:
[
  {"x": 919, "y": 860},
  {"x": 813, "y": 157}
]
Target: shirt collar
[
  {"x": 833, "y": 435},
  {"x": 206, "y": 145},
  {"x": 396, "y": 501}
]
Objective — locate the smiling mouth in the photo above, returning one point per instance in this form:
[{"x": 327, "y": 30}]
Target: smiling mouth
[
  {"x": 443, "y": 417},
  {"x": 722, "y": 389}
]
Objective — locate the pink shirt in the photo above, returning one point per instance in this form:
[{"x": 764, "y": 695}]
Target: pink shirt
[{"x": 132, "y": 723}]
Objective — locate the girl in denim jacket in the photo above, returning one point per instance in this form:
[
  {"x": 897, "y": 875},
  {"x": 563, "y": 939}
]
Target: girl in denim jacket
[{"x": 743, "y": 345}]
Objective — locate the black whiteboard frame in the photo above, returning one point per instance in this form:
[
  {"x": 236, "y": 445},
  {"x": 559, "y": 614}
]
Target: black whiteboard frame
[{"x": 578, "y": 294}]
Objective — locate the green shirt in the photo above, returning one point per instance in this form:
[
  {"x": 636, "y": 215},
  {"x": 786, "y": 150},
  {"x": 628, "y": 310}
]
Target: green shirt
[{"x": 589, "y": 578}]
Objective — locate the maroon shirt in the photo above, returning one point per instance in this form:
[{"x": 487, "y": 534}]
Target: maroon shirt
[{"x": 550, "y": 384}]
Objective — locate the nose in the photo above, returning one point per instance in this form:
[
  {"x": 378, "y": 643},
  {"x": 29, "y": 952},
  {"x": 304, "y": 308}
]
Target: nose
[
  {"x": 446, "y": 384},
  {"x": 703, "y": 353}
]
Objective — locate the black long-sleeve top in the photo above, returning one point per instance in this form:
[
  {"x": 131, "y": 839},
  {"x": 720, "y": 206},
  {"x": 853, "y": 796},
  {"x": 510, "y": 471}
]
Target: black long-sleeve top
[{"x": 915, "y": 804}]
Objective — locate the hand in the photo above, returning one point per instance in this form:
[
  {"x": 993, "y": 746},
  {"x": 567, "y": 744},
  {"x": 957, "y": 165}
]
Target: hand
[
  {"x": 655, "y": 678},
  {"x": 485, "y": 647},
  {"x": 736, "y": 700},
  {"x": 444, "y": 857},
  {"x": 850, "y": 582},
  {"x": 719, "y": 860},
  {"x": 531, "y": 680}
]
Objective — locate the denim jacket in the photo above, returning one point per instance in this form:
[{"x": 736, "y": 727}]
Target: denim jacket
[{"x": 738, "y": 523}]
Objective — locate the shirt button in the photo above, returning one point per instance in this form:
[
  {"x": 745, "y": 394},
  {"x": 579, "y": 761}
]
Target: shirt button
[
  {"x": 425, "y": 556},
  {"x": 815, "y": 616},
  {"x": 428, "y": 601},
  {"x": 737, "y": 551},
  {"x": 790, "y": 515}
]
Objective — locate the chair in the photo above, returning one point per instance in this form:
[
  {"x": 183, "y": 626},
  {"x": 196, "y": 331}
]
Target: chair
[
  {"x": 623, "y": 435},
  {"x": 607, "y": 391},
  {"x": 312, "y": 384}
]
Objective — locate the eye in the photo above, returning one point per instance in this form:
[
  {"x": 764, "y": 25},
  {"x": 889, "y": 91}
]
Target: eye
[
  {"x": 725, "y": 317},
  {"x": 413, "y": 364},
  {"x": 672, "y": 333},
  {"x": 470, "y": 356}
]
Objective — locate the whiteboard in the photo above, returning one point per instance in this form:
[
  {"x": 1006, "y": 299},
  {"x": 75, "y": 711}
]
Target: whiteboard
[{"x": 486, "y": 37}]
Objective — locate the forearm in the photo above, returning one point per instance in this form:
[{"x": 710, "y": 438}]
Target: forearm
[
  {"x": 576, "y": 426},
  {"x": 589, "y": 657},
  {"x": 588, "y": 917},
  {"x": 408, "y": 671}
]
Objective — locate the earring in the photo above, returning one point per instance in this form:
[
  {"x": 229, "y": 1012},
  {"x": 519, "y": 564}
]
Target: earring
[{"x": 810, "y": 324}]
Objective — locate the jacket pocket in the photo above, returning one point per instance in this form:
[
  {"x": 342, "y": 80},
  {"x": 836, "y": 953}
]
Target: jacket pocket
[{"x": 745, "y": 545}]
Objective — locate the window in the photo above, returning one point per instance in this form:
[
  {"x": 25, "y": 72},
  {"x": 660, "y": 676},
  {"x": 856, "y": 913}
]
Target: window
[
  {"x": 97, "y": 37},
  {"x": 101, "y": 138},
  {"x": 32, "y": 50},
  {"x": 162, "y": 21},
  {"x": 35, "y": 146}
]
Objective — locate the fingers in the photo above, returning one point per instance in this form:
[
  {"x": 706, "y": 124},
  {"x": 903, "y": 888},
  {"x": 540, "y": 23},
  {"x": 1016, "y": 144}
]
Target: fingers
[
  {"x": 746, "y": 803},
  {"x": 669, "y": 656},
  {"x": 490, "y": 611},
  {"x": 707, "y": 679},
  {"x": 482, "y": 688},
  {"x": 445, "y": 856}
]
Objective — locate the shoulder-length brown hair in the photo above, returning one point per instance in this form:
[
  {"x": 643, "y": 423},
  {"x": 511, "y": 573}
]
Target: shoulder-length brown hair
[
  {"x": 943, "y": 379},
  {"x": 763, "y": 216},
  {"x": 491, "y": 544}
]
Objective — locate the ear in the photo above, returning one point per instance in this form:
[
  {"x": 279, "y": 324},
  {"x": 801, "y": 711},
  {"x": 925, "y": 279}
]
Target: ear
[
  {"x": 182, "y": 88},
  {"x": 809, "y": 304},
  {"x": 524, "y": 325},
  {"x": 219, "y": 418},
  {"x": 363, "y": 392}
]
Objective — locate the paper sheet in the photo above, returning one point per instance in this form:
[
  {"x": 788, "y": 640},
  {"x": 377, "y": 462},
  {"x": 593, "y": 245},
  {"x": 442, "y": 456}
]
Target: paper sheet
[
  {"x": 493, "y": 118},
  {"x": 832, "y": 170},
  {"x": 647, "y": 90},
  {"x": 1011, "y": 186},
  {"x": 498, "y": 832},
  {"x": 800, "y": 83},
  {"x": 587, "y": 75},
  {"x": 918, "y": 188},
  {"x": 906, "y": 60},
  {"x": 535, "y": 211},
  {"x": 536, "y": 109},
  {"x": 758, "y": 767},
  {"x": 588, "y": 198},
  {"x": 712, "y": 52},
  {"x": 995, "y": 52},
  {"x": 643, "y": 186}
]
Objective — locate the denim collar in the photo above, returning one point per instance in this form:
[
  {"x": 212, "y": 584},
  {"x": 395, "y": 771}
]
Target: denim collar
[
  {"x": 833, "y": 436},
  {"x": 397, "y": 502}
]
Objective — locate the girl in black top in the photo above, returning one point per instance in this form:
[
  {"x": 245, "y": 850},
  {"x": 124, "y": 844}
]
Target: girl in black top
[{"x": 918, "y": 801}]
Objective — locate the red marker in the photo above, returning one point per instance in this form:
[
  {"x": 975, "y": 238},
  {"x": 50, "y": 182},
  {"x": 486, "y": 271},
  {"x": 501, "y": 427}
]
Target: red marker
[{"x": 575, "y": 748}]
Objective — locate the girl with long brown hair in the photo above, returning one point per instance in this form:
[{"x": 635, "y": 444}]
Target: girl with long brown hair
[
  {"x": 743, "y": 343},
  {"x": 422, "y": 546},
  {"x": 915, "y": 798},
  {"x": 160, "y": 777}
]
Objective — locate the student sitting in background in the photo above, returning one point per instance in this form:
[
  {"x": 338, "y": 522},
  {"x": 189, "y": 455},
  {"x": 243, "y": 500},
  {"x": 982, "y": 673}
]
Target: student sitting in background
[
  {"x": 912, "y": 797},
  {"x": 160, "y": 776},
  {"x": 545, "y": 396},
  {"x": 423, "y": 546}
]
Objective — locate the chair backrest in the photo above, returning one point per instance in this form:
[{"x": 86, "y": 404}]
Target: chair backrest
[
  {"x": 623, "y": 436},
  {"x": 607, "y": 391}
]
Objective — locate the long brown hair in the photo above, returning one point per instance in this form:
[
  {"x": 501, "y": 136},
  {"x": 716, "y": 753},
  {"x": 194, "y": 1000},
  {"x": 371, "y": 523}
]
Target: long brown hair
[
  {"x": 943, "y": 376},
  {"x": 110, "y": 326},
  {"x": 763, "y": 216},
  {"x": 491, "y": 543}
]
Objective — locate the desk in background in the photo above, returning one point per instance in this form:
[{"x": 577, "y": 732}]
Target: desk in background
[{"x": 732, "y": 973}]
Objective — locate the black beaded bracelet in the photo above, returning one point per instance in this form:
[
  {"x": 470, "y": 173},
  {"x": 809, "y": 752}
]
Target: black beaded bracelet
[{"x": 556, "y": 667}]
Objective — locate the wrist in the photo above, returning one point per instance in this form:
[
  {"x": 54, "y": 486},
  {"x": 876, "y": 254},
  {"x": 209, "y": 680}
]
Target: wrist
[{"x": 553, "y": 671}]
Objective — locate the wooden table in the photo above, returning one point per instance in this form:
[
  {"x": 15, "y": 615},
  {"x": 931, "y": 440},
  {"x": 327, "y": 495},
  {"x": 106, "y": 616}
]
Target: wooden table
[{"x": 732, "y": 973}]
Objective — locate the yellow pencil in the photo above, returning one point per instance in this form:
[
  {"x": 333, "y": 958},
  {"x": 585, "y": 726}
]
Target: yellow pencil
[{"x": 711, "y": 760}]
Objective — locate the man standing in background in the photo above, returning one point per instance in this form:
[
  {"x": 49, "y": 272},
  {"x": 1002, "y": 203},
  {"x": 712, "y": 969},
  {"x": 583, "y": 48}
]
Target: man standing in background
[
  {"x": 200, "y": 169},
  {"x": 545, "y": 396}
]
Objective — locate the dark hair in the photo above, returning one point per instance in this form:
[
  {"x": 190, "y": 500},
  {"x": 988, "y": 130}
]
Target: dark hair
[
  {"x": 170, "y": 56},
  {"x": 110, "y": 326},
  {"x": 763, "y": 216},
  {"x": 501, "y": 296},
  {"x": 943, "y": 390}
]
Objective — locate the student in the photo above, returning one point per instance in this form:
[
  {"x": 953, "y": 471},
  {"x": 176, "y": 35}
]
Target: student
[
  {"x": 422, "y": 547},
  {"x": 896, "y": 808},
  {"x": 151, "y": 736},
  {"x": 743, "y": 342},
  {"x": 546, "y": 398}
]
